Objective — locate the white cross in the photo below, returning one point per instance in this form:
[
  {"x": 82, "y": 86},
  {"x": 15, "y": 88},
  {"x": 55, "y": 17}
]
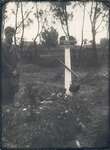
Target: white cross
[{"x": 68, "y": 76}]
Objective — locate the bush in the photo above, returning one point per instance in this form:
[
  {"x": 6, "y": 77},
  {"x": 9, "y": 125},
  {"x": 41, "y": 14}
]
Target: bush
[
  {"x": 50, "y": 37},
  {"x": 104, "y": 42}
]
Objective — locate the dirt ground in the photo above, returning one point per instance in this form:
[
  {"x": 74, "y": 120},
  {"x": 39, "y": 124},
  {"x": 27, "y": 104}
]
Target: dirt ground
[{"x": 43, "y": 116}]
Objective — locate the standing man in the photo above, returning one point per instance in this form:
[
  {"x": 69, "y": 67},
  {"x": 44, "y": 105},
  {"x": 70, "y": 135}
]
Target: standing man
[{"x": 10, "y": 77}]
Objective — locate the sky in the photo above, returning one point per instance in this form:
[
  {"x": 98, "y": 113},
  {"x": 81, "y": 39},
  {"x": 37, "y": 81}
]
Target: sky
[{"x": 75, "y": 26}]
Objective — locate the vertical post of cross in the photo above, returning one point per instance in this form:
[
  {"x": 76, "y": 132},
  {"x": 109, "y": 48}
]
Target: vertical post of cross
[{"x": 68, "y": 77}]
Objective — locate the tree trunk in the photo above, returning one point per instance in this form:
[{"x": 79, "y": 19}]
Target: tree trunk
[
  {"x": 38, "y": 23},
  {"x": 66, "y": 19},
  {"x": 94, "y": 49},
  {"x": 16, "y": 15},
  {"x": 22, "y": 15},
  {"x": 82, "y": 40},
  {"x": 3, "y": 18}
]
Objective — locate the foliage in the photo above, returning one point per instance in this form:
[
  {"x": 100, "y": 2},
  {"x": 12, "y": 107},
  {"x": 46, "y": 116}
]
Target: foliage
[
  {"x": 98, "y": 16},
  {"x": 61, "y": 13},
  {"x": 104, "y": 42},
  {"x": 9, "y": 32},
  {"x": 41, "y": 18},
  {"x": 50, "y": 37},
  {"x": 22, "y": 19},
  {"x": 73, "y": 39}
]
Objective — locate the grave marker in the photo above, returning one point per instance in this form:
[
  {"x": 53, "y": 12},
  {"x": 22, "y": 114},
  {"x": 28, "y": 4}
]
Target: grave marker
[{"x": 67, "y": 43}]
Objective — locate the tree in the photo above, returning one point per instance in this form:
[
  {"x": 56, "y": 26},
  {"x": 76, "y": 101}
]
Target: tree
[
  {"x": 61, "y": 13},
  {"x": 96, "y": 12},
  {"x": 21, "y": 22},
  {"x": 104, "y": 42},
  {"x": 4, "y": 17},
  {"x": 16, "y": 19},
  {"x": 107, "y": 3},
  {"x": 22, "y": 16},
  {"x": 82, "y": 38},
  {"x": 106, "y": 9},
  {"x": 41, "y": 18},
  {"x": 97, "y": 15},
  {"x": 85, "y": 41},
  {"x": 49, "y": 37},
  {"x": 9, "y": 32}
]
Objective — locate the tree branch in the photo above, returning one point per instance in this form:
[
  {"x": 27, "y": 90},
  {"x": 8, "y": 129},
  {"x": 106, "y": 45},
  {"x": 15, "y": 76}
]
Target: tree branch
[
  {"x": 99, "y": 25},
  {"x": 24, "y": 18},
  {"x": 83, "y": 26},
  {"x": 22, "y": 24},
  {"x": 16, "y": 17},
  {"x": 37, "y": 15}
]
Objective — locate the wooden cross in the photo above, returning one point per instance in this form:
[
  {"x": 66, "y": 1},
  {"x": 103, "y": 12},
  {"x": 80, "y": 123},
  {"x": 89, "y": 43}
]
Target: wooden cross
[{"x": 68, "y": 76}]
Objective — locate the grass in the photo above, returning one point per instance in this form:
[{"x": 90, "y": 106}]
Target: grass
[{"x": 44, "y": 117}]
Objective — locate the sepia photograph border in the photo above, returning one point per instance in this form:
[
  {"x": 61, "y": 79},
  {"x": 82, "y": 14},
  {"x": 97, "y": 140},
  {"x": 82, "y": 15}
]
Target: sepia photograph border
[{"x": 2, "y": 3}]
